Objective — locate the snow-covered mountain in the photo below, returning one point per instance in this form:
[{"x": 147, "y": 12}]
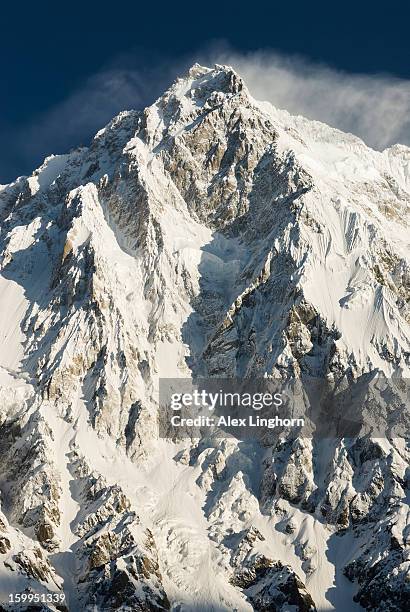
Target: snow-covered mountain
[{"x": 211, "y": 235}]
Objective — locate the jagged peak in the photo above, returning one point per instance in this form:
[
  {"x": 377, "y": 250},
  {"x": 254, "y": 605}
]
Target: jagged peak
[
  {"x": 195, "y": 71},
  {"x": 188, "y": 239},
  {"x": 199, "y": 82}
]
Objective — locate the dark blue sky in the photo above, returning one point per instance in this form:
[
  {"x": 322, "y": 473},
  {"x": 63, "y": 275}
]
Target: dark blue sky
[{"x": 49, "y": 50}]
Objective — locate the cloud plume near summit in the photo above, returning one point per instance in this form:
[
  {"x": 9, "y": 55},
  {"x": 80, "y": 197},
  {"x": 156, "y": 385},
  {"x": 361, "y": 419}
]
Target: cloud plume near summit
[{"x": 374, "y": 107}]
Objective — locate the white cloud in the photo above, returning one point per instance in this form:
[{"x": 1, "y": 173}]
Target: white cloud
[
  {"x": 85, "y": 111},
  {"x": 374, "y": 107}
]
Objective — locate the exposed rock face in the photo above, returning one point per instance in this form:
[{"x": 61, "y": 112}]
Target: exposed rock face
[
  {"x": 272, "y": 586},
  {"x": 206, "y": 235},
  {"x": 117, "y": 556}
]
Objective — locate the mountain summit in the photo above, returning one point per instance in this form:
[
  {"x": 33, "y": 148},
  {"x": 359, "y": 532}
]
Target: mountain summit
[{"x": 208, "y": 235}]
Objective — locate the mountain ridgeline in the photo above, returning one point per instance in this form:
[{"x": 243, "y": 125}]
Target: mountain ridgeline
[{"x": 208, "y": 235}]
